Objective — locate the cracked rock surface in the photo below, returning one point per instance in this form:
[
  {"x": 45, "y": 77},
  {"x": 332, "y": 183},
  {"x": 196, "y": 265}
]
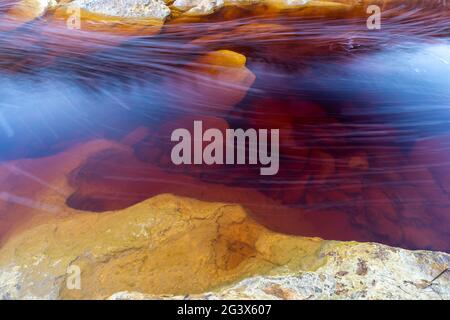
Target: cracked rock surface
[
  {"x": 352, "y": 271},
  {"x": 173, "y": 246},
  {"x": 166, "y": 245}
]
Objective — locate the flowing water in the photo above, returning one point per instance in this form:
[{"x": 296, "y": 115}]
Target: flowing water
[{"x": 364, "y": 117}]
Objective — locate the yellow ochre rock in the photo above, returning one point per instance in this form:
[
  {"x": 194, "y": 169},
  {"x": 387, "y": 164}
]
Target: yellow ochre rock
[
  {"x": 165, "y": 245},
  {"x": 214, "y": 83},
  {"x": 173, "y": 248}
]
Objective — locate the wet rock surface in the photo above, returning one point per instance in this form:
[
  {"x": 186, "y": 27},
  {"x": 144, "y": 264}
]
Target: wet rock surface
[
  {"x": 352, "y": 271},
  {"x": 168, "y": 246}
]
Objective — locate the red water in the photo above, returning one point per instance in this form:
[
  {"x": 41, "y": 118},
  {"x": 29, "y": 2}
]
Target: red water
[{"x": 363, "y": 116}]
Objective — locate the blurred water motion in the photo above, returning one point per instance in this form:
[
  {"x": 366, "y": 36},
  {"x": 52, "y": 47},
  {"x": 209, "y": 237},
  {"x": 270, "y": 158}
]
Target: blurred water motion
[{"x": 364, "y": 118}]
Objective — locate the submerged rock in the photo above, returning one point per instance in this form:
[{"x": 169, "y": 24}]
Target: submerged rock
[
  {"x": 31, "y": 188},
  {"x": 213, "y": 84}
]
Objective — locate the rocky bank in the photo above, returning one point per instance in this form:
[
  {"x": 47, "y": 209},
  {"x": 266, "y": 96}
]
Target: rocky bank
[
  {"x": 152, "y": 12},
  {"x": 170, "y": 247}
]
